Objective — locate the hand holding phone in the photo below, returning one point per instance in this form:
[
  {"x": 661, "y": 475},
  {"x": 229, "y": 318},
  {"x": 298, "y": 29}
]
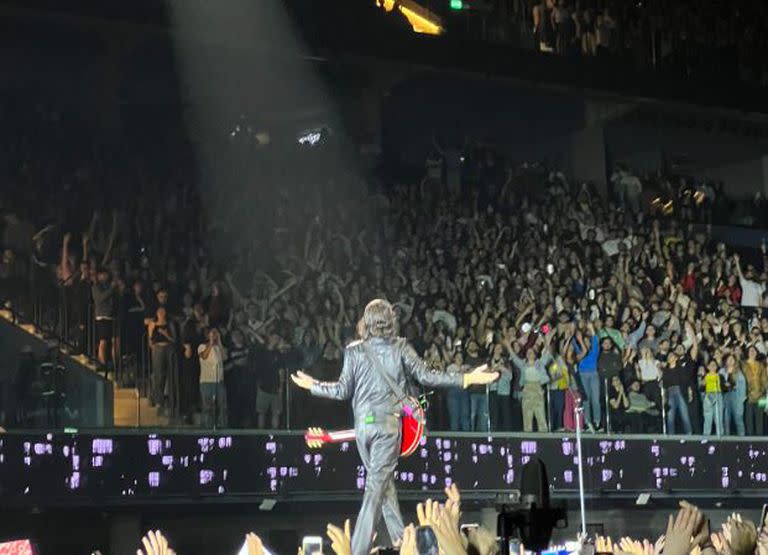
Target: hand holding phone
[{"x": 312, "y": 545}]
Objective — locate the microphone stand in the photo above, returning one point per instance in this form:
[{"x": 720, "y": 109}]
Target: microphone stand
[{"x": 578, "y": 411}]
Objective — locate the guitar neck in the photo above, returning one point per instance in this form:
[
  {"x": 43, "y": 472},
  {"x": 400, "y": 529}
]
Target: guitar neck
[{"x": 340, "y": 436}]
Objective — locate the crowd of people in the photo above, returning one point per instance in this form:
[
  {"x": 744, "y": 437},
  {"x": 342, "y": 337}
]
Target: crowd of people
[
  {"x": 683, "y": 39},
  {"x": 438, "y": 530},
  {"x": 621, "y": 305}
]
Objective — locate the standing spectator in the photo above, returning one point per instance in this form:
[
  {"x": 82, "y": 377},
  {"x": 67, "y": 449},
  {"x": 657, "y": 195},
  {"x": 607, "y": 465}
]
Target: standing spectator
[
  {"x": 103, "y": 293},
  {"x": 213, "y": 394},
  {"x": 533, "y": 375},
  {"x": 79, "y": 293},
  {"x": 649, "y": 374},
  {"x": 543, "y": 30},
  {"x": 458, "y": 398},
  {"x": 501, "y": 391},
  {"x": 735, "y": 397},
  {"x": 218, "y": 306},
  {"x": 478, "y": 395},
  {"x": 676, "y": 387},
  {"x": 751, "y": 290},
  {"x": 713, "y": 386},
  {"x": 192, "y": 334},
  {"x": 588, "y": 33},
  {"x": 609, "y": 363},
  {"x": 235, "y": 380},
  {"x": 270, "y": 378},
  {"x": 606, "y": 31},
  {"x": 757, "y": 387},
  {"x": 587, "y": 354},
  {"x": 162, "y": 338},
  {"x": 565, "y": 28},
  {"x": 559, "y": 375}
]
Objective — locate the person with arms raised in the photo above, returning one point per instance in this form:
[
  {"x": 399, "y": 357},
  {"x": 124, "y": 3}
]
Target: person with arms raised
[{"x": 377, "y": 407}]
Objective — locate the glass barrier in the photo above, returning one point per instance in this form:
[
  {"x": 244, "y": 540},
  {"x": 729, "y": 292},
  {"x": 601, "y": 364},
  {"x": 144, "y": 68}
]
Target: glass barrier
[{"x": 42, "y": 387}]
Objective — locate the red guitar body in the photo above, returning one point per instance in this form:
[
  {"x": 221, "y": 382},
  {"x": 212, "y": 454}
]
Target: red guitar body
[{"x": 412, "y": 424}]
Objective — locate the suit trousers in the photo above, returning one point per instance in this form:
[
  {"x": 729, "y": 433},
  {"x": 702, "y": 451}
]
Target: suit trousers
[{"x": 378, "y": 444}]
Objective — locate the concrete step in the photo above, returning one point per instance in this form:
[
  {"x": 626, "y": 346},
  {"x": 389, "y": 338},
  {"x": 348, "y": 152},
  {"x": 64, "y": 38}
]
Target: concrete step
[{"x": 131, "y": 410}]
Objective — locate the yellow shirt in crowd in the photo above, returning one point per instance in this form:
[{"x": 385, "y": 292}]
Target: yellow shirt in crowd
[
  {"x": 712, "y": 383},
  {"x": 558, "y": 368}
]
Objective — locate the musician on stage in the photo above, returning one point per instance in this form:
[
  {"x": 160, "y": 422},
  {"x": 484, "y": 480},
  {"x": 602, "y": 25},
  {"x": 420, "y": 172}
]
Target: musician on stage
[{"x": 377, "y": 403}]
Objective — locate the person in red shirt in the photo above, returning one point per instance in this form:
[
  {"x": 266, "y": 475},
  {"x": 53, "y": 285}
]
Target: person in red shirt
[
  {"x": 689, "y": 280},
  {"x": 729, "y": 290}
]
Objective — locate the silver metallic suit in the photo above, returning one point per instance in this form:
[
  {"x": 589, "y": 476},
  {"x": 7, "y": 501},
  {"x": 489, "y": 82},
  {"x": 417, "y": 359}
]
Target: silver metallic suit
[{"x": 377, "y": 424}]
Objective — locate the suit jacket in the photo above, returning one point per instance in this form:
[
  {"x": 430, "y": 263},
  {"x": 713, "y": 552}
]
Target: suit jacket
[{"x": 361, "y": 381}]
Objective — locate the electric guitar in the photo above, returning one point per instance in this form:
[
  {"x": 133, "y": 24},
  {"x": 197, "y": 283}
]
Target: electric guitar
[{"x": 412, "y": 423}]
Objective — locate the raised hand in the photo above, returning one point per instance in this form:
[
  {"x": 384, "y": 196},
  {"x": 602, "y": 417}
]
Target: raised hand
[
  {"x": 449, "y": 537},
  {"x": 155, "y": 544},
  {"x": 630, "y": 546},
  {"x": 253, "y": 544},
  {"x": 453, "y": 504},
  {"x": 739, "y": 536},
  {"x": 408, "y": 545},
  {"x": 761, "y": 547},
  {"x": 341, "y": 540},
  {"x": 680, "y": 531},
  {"x": 700, "y": 527},
  {"x": 603, "y": 544},
  {"x": 428, "y": 513}
]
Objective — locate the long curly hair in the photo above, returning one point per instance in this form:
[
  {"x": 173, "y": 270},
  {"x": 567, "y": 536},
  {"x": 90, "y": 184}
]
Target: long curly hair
[{"x": 379, "y": 320}]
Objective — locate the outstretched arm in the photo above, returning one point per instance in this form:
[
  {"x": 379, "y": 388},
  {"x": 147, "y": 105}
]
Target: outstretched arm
[
  {"x": 339, "y": 390},
  {"x": 418, "y": 369}
]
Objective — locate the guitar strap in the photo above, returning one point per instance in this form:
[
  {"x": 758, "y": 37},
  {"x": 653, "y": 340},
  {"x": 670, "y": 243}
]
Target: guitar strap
[{"x": 402, "y": 398}]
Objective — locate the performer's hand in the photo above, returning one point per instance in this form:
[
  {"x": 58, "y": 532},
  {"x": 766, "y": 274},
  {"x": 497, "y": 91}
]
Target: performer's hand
[
  {"x": 304, "y": 381},
  {"x": 480, "y": 376}
]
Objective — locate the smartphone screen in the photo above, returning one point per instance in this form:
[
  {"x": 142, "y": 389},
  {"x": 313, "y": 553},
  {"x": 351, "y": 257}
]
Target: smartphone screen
[
  {"x": 312, "y": 545},
  {"x": 426, "y": 541}
]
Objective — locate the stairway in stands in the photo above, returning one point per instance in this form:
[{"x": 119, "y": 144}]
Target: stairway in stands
[
  {"x": 129, "y": 408},
  {"x": 133, "y": 410}
]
